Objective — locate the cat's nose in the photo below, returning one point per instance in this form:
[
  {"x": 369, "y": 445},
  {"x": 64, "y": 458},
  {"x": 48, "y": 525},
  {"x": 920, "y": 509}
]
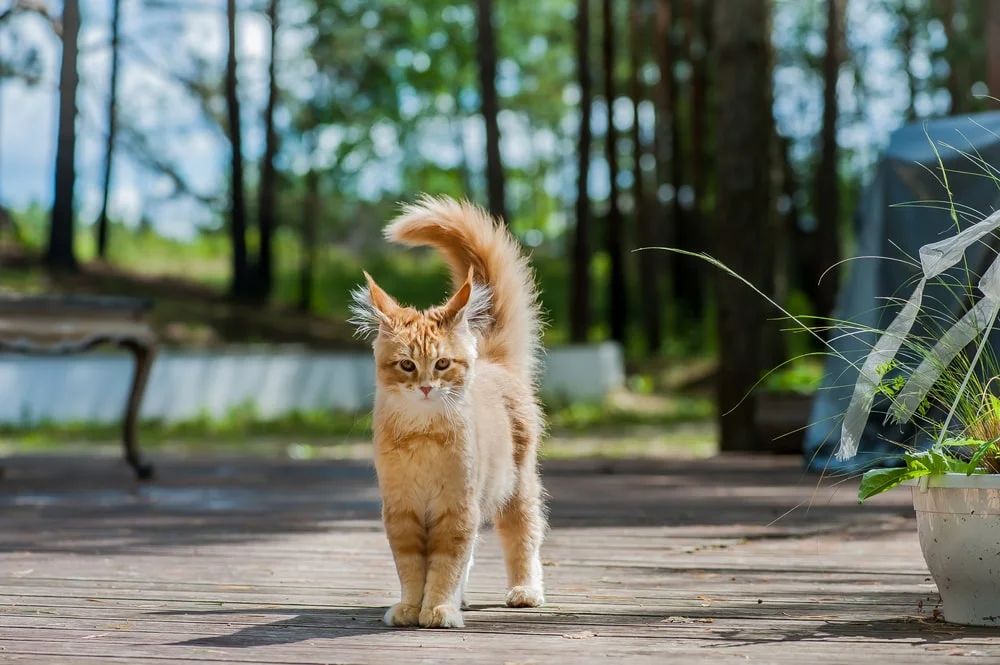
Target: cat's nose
[{"x": 426, "y": 390}]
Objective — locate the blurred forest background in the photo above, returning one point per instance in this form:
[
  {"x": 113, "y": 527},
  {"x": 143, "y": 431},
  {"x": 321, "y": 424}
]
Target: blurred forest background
[{"x": 236, "y": 160}]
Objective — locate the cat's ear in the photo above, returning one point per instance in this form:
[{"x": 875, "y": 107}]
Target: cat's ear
[
  {"x": 372, "y": 309},
  {"x": 470, "y": 305},
  {"x": 381, "y": 300}
]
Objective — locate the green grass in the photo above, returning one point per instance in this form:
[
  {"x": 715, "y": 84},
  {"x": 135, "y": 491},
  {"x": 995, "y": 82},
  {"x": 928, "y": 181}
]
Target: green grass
[
  {"x": 688, "y": 440},
  {"x": 241, "y": 425},
  {"x": 582, "y": 417}
]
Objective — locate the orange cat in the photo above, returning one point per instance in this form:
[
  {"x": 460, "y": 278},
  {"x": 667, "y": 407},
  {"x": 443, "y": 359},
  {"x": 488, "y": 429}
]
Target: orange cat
[{"x": 456, "y": 418}]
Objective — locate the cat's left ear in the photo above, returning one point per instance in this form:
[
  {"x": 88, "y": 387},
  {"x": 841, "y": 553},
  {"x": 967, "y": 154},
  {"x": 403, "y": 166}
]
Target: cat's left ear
[
  {"x": 470, "y": 305},
  {"x": 372, "y": 308}
]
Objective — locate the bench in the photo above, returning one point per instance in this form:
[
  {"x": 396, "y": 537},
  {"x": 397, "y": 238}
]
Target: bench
[{"x": 67, "y": 324}]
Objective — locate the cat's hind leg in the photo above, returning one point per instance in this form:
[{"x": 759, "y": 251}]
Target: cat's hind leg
[
  {"x": 463, "y": 598},
  {"x": 521, "y": 527}
]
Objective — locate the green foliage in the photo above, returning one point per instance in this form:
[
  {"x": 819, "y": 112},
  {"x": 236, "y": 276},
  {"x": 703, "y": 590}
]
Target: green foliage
[
  {"x": 877, "y": 481},
  {"x": 980, "y": 458},
  {"x": 890, "y": 387},
  {"x": 584, "y": 417},
  {"x": 417, "y": 278},
  {"x": 393, "y": 90},
  {"x": 940, "y": 459},
  {"x": 802, "y": 376}
]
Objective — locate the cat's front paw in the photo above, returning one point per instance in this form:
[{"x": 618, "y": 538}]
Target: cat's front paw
[
  {"x": 442, "y": 616},
  {"x": 402, "y": 615},
  {"x": 525, "y": 596}
]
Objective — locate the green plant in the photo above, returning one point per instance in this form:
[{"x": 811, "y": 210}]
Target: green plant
[
  {"x": 919, "y": 367},
  {"x": 976, "y": 414},
  {"x": 940, "y": 458}
]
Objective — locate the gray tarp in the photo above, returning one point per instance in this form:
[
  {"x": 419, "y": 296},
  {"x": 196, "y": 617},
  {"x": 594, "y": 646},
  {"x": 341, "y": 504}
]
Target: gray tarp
[{"x": 886, "y": 226}]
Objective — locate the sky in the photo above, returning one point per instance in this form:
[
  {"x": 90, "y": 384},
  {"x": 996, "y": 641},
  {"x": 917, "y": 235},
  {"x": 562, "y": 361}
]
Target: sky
[
  {"x": 178, "y": 130},
  {"x": 29, "y": 115}
]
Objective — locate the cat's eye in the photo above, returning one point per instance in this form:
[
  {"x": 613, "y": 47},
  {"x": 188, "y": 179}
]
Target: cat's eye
[
  {"x": 407, "y": 365},
  {"x": 442, "y": 364}
]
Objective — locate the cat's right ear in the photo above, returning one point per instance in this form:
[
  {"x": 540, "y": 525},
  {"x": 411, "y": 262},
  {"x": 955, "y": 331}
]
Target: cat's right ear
[{"x": 372, "y": 309}]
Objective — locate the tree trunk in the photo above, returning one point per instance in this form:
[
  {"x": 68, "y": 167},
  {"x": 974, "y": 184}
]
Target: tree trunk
[
  {"x": 310, "y": 223},
  {"x": 699, "y": 23},
  {"x": 907, "y": 38},
  {"x": 687, "y": 276},
  {"x": 803, "y": 259},
  {"x": 776, "y": 254},
  {"x": 615, "y": 224},
  {"x": 957, "y": 86},
  {"x": 993, "y": 50},
  {"x": 109, "y": 151},
  {"x": 580, "y": 300},
  {"x": 266, "y": 220},
  {"x": 695, "y": 292},
  {"x": 240, "y": 287},
  {"x": 60, "y": 253},
  {"x": 687, "y": 232},
  {"x": 666, "y": 229},
  {"x": 827, "y": 184},
  {"x": 648, "y": 261},
  {"x": 1, "y": 138},
  {"x": 487, "y": 54},
  {"x": 743, "y": 131}
]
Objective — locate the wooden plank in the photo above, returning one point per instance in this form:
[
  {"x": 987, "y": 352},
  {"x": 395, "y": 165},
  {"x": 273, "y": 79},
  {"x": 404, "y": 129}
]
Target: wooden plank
[{"x": 233, "y": 561}]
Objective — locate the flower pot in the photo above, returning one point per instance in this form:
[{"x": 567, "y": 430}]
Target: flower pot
[{"x": 958, "y": 521}]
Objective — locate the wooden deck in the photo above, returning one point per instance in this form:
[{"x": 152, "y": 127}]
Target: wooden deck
[{"x": 224, "y": 560}]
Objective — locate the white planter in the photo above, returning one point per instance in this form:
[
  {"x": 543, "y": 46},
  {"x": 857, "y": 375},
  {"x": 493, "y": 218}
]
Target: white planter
[{"x": 958, "y": 521}]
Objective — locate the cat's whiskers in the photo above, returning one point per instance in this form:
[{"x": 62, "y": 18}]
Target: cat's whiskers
[{"x": 449, "y": 402}]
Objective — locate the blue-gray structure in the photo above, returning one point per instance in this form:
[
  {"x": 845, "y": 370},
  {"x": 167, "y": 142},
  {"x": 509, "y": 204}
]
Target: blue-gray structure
[{"x": 905, "y": 207}]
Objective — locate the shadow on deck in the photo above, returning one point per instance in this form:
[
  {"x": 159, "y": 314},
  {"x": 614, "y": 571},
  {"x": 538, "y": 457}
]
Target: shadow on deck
[
  {"x": 250, "y": 560},
  {"x": 91, "y": 505}
]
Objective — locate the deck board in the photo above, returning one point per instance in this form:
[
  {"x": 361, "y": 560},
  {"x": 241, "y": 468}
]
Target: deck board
[{"x": 225, "y": 560}]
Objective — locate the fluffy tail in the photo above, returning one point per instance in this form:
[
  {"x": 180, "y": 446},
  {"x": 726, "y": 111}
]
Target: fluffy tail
[{"x": 468, "y": 236}]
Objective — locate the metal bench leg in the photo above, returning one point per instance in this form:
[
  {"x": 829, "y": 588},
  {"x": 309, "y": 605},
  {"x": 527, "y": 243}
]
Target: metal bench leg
[{"x": 144, "y": 355}]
